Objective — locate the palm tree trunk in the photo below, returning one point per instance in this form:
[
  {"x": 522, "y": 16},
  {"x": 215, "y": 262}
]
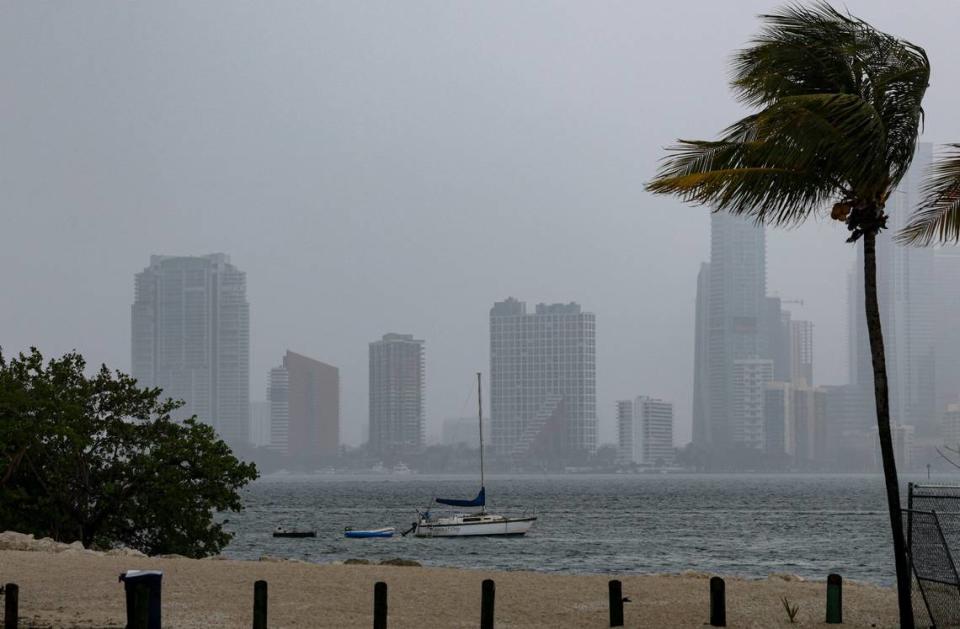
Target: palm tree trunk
[{"x": 883, "y": 426}]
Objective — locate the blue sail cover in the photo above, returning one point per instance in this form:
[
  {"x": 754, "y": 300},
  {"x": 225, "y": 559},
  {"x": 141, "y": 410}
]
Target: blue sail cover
[{"x": 479, "y": 501}]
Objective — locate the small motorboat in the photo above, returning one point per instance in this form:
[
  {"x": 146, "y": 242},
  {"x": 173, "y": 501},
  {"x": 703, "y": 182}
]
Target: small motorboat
[
  {"x": 282, "y": 532},
  {"x": 358, "y": 533}
]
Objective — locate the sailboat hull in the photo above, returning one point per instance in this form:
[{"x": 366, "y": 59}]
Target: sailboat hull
[{"x": 469, "y": 527}]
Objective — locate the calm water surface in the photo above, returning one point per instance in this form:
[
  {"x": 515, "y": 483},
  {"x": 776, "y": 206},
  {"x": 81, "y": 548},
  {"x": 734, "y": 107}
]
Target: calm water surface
[{"x": 734, "y": 525}]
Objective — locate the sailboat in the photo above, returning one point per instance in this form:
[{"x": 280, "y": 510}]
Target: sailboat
[{"x": 475, "y": 523}]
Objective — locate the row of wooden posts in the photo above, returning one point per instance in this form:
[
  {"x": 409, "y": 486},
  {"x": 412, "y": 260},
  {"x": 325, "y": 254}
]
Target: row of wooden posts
[{"x": 718, "y": 604}]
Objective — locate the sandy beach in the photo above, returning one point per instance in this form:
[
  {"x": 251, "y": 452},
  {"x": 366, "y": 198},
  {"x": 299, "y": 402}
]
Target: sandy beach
[{"x": 79, "y": 588}]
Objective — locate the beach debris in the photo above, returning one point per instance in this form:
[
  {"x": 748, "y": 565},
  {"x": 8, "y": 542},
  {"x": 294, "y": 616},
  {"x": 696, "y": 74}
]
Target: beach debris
[
  {"x": 784, "y": 576},
  {"x": 790, "y": 609},
  {"x": 401, "y": 562},
  {"x": 123, "y": 551}
]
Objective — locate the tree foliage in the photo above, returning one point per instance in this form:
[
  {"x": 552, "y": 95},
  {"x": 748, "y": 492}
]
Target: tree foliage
[
  {"x": 99, "y": 459},
  {"x": 838, "y": 109},
  {"x": 938, "y": 217}
]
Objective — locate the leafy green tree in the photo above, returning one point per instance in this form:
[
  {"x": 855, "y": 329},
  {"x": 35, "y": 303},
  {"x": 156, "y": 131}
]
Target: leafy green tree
[
  {"x": 837, "y": 110},
  {"x": 100, "y": 460}
]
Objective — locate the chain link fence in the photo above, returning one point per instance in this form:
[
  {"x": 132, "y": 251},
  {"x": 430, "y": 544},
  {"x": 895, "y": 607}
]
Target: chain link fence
[{"x": 932, "y": 522}]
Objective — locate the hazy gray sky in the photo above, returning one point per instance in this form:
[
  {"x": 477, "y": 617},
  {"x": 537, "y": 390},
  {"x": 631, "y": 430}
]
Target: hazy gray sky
[{"x": 386, "y": 166}]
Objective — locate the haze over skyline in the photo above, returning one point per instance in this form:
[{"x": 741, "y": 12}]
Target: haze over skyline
[{"x": 383, "y": 168}]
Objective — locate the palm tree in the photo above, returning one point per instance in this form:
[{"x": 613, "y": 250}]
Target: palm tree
[
  {"x": 837, "y": 110},
  {"x": 938, "y": 217}
]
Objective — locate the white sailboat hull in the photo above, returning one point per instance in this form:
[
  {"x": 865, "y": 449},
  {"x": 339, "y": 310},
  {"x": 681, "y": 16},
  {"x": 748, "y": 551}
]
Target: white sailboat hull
[{"x": 458, "y": 526}]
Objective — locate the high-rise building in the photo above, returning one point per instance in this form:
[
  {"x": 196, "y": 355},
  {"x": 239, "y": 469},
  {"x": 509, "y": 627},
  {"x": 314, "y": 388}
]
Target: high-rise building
[
  {"x": 777, "y": 344},
  {"x": 542, "y": 380},
  {"x": 702, "y": 435},
  {"x": 950, "y": 427},
  {"x": 259, "y": 423},
  {"x": 645, "y": 431},
  {"x": 801, "y": 352},
  {"x": 738, "y": 312},
  {"x": 750, "y": 379},
  {"x": 946, "y": 263},
  {"x": 304, "y": 399},
  {"x": 906, "y": 293},
  {"x": 191, "y": 338},
  {"x": 464, "y": 431},
  {"x": 397, "y": 386},
  {"x": 796, "y": 422},
  {"x": 778, "y": 418}
]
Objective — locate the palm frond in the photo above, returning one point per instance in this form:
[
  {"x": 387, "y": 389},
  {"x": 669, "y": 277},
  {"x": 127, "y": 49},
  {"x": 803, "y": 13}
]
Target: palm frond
[
  {"x": 938, "y": 217},
  {"x": 802, "y": 49},
  {"x": 813, "y": 146},
  {"x": 818, "y": 50}
]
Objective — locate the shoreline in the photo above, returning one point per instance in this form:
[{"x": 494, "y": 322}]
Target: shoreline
[{"x": 75, "y": 587}]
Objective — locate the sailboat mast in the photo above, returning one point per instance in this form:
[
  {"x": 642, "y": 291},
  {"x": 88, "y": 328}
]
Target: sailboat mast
[{"x": 480, "y": 418}]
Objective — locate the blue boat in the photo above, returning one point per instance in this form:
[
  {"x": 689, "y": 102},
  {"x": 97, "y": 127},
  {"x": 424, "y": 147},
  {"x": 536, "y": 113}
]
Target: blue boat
[{"x": 356, "y": 533}]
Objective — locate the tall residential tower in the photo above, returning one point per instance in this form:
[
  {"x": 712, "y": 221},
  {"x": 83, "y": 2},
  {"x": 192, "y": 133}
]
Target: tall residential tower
[
  {"x": 396, "y": 395},
  {"x": 543, "y": 376},
  {"x": 191, "y": 337}
]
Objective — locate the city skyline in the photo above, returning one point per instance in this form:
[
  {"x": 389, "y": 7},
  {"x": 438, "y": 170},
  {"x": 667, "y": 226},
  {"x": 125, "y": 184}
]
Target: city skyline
[{"x": 386, "y": 212}]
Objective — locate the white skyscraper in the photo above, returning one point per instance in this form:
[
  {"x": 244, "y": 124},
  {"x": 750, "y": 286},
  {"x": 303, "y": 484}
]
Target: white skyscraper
[
  {"x": 397, "y": 385},
  {"x": 191, "y": 337},
  {"x": 543, "y": 380},
  {"x": 645, "y": 430},
  {"x": 750, "y": 379}
]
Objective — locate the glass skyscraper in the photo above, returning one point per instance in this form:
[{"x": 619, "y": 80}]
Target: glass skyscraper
[{"x": 190, "y": 329}]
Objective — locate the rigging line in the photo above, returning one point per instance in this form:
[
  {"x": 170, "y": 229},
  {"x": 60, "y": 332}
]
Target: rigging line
[{"x": 469, "y": 398}]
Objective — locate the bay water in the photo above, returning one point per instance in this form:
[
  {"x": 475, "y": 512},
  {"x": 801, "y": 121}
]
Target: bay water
[{"x": 744, "y": 525}]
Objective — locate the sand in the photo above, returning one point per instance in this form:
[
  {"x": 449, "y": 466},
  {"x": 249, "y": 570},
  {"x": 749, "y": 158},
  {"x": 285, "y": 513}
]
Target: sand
[{"x": 77, "y": 588}]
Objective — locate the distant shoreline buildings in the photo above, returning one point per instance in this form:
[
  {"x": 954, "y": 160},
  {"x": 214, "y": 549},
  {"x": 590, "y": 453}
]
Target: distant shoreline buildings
[{"x": 757, "y": 402}]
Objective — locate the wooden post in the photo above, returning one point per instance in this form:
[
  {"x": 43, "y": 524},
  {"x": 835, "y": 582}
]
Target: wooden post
[
  {"x": 380, "y": 605},
  {"x": 260, "y": 605},
  {"x": 616, "y": 603},
  {"x": 718, "y": 603},
  {"x": 488, "y": 592},
  {"x": 834, "y": 600},
  {"x": 11, "y": 605},
  {"x": 141, "y": 606}
]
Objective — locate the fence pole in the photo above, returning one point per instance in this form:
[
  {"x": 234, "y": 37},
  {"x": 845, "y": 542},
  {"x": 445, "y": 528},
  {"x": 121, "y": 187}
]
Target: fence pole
[
  {"x": 718, "y": 603},
  {"x": 488, "y": 593},
  {"x": 834, "y": 599},
  {"x": 380, "y": 605},
  {"x": 11, "y": 605},
  {"x": 616, "y": 603},
  {"x": 260, "y": 605}
]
